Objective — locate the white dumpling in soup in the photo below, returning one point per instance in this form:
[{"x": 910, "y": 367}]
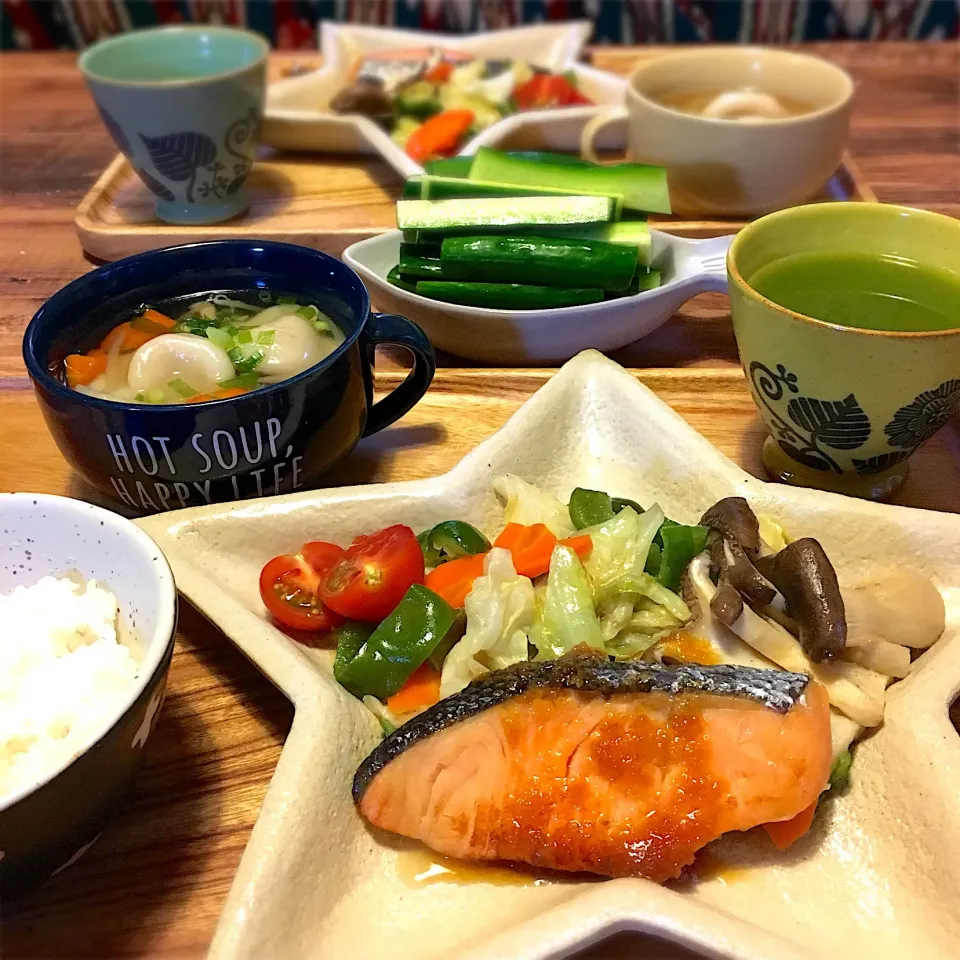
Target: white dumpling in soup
[
  {"x": 179, "y": 356},
  {"x": 296, "y": 345}
]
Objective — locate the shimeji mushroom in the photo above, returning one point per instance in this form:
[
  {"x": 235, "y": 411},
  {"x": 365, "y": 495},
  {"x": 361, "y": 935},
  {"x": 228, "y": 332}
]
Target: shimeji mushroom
[{"x": 802, "y": 572}]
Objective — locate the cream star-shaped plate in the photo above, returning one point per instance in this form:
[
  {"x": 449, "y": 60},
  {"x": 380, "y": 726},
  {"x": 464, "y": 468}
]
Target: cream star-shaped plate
[
  {"x": 879, "y": 874},
  {"x": 297, "y": 114}
]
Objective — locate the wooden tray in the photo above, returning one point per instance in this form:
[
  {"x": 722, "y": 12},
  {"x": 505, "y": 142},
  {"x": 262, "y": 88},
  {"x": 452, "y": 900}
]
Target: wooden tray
[{"x": 321, "y": 202}]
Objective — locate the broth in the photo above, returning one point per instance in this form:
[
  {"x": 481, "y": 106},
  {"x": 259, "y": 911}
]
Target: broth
[
  {"x": 863, "y": 290},
  {"x": 213, "y": 347},
  {"x": 744, "y": 103}
]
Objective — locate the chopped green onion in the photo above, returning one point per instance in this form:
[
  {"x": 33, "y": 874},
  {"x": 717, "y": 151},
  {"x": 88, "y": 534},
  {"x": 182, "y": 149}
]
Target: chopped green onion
[
  {"x": 182, "y": 387},
  {"x": 264, "y": 296},
  {"x": 322, "y": 326},
  {"x": 140, "y": 397},
  {"x": 308, "y": 312},
  {"x": 232, "y": 330},
  {"x": 244, "y": 336},
  {"x": 246, "y": 364},
  {"x": 221, "y": 338},
  {"x": 246, "y": 381},
  {"x": 193, "y": 324},
  {"x": 266, "y": 337},
  {"x": 286, "y": 299},
  {"x": 156, "y": 395}
]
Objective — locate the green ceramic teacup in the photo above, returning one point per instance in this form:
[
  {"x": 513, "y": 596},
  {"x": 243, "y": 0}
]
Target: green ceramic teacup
[
  {"x": 184, "y": 104},
  {"x": 845, "y": 406}
]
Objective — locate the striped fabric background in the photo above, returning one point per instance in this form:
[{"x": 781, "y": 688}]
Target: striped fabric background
[{"x": 291, "y": 24}]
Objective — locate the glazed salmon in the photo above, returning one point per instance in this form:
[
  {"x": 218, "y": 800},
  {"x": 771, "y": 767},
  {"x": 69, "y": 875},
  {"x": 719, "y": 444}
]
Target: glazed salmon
[{"x": 584, "y": 764}]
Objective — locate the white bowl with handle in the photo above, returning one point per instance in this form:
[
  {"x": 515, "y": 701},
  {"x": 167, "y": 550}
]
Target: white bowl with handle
[{"x": 518, "y": 337}]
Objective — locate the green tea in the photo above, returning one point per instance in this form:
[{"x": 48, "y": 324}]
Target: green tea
[{"x": 863, "y": 290}]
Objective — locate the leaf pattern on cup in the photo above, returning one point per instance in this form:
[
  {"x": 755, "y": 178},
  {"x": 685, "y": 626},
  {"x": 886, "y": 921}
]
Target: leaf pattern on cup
[
  {"x": 840, "y": 424},
  {"x": 813, "y": 423},
  {"x": 917, "y": 421},
  {"x": 879, "y": 463},
  {"x": 115, "y": 131},
  {"x": 178, "y": 156},
  {"x": 159, "y": 189}
]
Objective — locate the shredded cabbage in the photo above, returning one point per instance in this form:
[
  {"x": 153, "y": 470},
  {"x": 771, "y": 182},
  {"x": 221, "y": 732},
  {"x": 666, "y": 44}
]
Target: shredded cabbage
[
  {"x": 527, "y": 504},
  {"x": 620, "y": 548},
  {"x": 774, "y": 537},
  {"x": 628, "y": 645},
  {"x": 567, "y": 616},
  {"x": 500, "y": 610}
]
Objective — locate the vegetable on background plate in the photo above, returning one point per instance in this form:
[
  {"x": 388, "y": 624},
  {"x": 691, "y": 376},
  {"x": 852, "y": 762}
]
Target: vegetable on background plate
[
  {"x": 545, "y": 90},
  {"x": 374, "y": 574},
  {"x": 439, "y": 135}
]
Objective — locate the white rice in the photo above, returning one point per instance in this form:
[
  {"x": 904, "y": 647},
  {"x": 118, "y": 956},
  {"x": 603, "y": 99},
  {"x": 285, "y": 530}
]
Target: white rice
[{"x": 64, "y": 676}]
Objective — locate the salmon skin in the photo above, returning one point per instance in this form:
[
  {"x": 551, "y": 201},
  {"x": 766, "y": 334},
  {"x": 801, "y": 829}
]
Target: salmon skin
[
  {"x": 777, "y": 689},
  {"x": 614, "y": 768}
]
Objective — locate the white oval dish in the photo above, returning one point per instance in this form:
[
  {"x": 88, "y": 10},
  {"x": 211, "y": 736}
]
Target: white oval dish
[
  {"x": 518, "y": 337},
  {"x": 297, "y": 116},
  {"x": 878, "y": 874}
]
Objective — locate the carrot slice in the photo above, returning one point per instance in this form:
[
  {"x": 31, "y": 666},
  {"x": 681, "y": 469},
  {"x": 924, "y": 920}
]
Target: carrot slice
[
  {"x": 160, "y": 319},
  {"x": 422, "y": 689},
  {"x": 453, "y": 580},
  {"x": 226, "y": 392},
  {"x": 439, "y": 135},
  {"x": 786, "y": 832},
  {"x": 439, "y": 72},
  {"x": 198, "y": 398},
  {"x": 84, "y": 370},
  {"x": 532, "y": 546},
  {"x": 130, "y": 339},
  {"x": 580, "y": 544}
]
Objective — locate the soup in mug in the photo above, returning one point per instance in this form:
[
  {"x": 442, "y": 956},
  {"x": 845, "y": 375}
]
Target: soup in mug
[
  {"x": 746, "y": 103},
  {"x": 863, "y": 290},
  {"x": 220, "y": 346}
]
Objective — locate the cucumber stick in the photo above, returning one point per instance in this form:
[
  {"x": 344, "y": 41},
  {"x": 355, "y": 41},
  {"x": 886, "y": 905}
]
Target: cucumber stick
[
  {"x": 646, "y": 278},
  {"x": 507, "y": 296},
  {"x": 628, "y": 233},
  {"x": 420, "y": 268},
  {"x": 394, "y": 277},
  {"x": 540, "y": 260},
  {"x": 446, "y": 188},
  {"x": 642, "y": 187},
  {"x": 477, "y": 215},
  {"x": 449, "y": 167}
]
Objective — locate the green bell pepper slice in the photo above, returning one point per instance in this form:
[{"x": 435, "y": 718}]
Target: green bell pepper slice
[
  {"x": 588, "y": 508},
  {"x": 840, "y": 772},
  {"x": 350, "y": 638},
  {"x": 680, "y": 544},
  {"x": 381, "y": 665},
  {"x": 449, "y": 540}
]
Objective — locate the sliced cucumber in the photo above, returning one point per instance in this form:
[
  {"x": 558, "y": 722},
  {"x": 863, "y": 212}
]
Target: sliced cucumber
[
  {"x": 642, "y": 187},
  {"x": 449, "y": 167},
  {"x": 507, "y": 296},
  {"x": 495, "y": 212},
  {"x": 394, "y": 277},
  {"x": 429, "y": 250},
  {"x": 543, "y": 260},
  {"x": 646, "y": 278},
  {"x": 629, "y": 233},
  {"x": 420, "y": 268},
  {"x": 447, "y": 188}
]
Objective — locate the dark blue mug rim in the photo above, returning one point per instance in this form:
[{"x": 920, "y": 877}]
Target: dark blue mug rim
[{"x": 40, "y": 373}]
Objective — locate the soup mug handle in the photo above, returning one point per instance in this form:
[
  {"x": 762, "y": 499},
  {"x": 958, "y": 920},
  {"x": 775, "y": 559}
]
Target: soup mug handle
[
  {"x": 594, "y": 126},
  {"x": 389, "y": 329}
]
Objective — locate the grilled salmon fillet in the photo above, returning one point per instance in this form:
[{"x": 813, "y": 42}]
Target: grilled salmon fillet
[{"x": 583, "y": 764}]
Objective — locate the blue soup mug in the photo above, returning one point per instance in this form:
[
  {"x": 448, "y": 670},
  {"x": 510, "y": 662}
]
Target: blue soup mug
[{"x": 276, "y": 439}]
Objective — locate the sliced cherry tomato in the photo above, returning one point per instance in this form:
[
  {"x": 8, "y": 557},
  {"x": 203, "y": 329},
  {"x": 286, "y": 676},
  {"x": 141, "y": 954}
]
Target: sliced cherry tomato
[
  {"x": 289, "y": 585},
  {"x": 374, "y": 574},
  {"x": 545, "y": 90}
]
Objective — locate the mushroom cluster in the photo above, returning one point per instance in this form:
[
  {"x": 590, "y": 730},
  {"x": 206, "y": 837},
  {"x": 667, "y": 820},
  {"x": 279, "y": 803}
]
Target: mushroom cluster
[{"x": 757, "y": 606}]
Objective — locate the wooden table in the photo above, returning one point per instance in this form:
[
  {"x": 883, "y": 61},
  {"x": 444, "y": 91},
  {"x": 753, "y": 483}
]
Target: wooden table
[{"x": 154, "y": 883}]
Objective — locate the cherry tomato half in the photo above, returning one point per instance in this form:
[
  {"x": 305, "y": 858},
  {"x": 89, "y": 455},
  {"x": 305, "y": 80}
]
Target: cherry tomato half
[
  {"x": 289, "y": 585},
  {"x": 374, "y": 574}
]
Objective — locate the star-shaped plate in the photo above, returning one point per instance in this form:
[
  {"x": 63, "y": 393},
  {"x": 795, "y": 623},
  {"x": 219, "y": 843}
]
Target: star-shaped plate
[
  {"x": 297, "y": 115},
  {"x": 878, "y": 876}
]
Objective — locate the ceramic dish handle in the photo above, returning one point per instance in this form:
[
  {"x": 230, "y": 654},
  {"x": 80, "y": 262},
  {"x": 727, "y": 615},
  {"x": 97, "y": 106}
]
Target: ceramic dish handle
[
  {"x": 594, "y": 126},
  {"x": 391, "y": 329}
]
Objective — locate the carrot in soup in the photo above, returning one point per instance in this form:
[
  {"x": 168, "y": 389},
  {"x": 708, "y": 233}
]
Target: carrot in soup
[{"x": 82, "y": 370}]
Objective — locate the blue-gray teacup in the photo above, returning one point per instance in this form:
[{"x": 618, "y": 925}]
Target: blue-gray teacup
[{"x": 184, "y": 104}]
